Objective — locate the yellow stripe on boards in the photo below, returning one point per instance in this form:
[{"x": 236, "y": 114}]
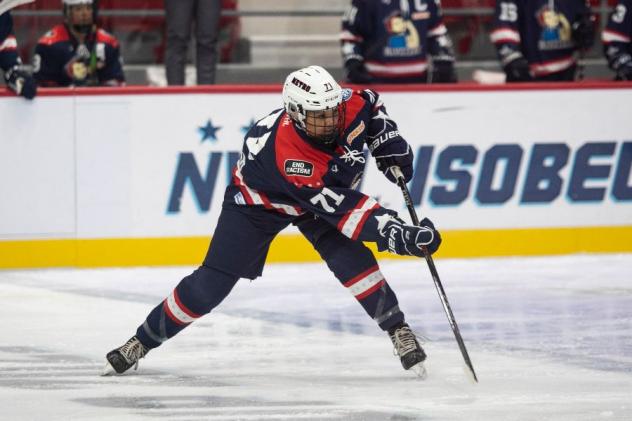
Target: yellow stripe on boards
[{"x": 294, "y": 248}]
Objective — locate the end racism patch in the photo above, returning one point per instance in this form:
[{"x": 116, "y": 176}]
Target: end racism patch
[{"x": 298, "y": 167}]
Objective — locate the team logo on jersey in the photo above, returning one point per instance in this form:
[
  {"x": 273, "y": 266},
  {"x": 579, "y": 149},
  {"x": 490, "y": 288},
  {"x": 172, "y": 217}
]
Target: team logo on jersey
[
  {"x": 556, "y": 31},
  {"x": 298, "y": 167},
  {"x": 355, "y": 133},
  {"x": 403, "y": 37}
]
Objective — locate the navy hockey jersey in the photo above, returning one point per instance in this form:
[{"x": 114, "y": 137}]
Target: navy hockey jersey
[
  {"x": 617, "y": 35},
  {"x": 57, "y": 47},
  {"x": 281, "y": 169},
  {"x": 395, "y": 38},
  {"x": 540, "y": 31},
  {"x": 8, "y": 44}
]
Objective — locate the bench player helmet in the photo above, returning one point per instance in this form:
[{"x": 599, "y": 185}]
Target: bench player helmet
[
  {"x": 81, "y": 27},
  {"x": 314, "y": 102}
]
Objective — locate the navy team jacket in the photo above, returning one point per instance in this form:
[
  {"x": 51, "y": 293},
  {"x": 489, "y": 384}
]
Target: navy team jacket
[
  {"x": 395, "y": 38},
  {"x": 539, "y": 30},
  {"x": 617, "y": 35},
  {"x": 57, "y": 47}
]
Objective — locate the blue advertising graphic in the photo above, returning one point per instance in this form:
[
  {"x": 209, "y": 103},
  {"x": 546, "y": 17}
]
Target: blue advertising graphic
[{"x": 454, "y": 174}]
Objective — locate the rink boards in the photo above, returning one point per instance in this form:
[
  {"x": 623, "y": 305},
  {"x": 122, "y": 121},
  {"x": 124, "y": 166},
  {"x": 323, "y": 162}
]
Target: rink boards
[{"x": 136, "y": 176}]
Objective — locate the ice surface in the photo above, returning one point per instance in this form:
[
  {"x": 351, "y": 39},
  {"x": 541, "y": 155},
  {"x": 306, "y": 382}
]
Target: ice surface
[{"x": 550, "y": 338}]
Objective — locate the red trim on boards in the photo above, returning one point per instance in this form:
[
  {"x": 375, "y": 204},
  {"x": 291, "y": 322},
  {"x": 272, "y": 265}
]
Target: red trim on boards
[{"x": 276, "y": 88}]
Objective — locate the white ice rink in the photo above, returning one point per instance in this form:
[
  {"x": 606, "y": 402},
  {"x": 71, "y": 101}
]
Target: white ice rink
[{"x": 550, "y": 338}]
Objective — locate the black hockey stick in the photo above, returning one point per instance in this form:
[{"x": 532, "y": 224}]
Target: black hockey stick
[{"x": 401, "y": 182}]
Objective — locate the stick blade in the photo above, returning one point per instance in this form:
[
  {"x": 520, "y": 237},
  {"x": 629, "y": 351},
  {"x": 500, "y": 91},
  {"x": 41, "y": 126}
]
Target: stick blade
[{"x": 470, "y": 374}]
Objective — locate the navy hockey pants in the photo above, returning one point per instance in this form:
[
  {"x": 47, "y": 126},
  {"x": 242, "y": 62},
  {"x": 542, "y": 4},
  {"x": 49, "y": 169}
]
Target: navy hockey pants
[{"x": 238, "y": 250}]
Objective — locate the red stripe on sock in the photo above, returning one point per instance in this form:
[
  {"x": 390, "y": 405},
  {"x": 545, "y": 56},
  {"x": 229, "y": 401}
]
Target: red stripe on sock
[{"x": 370, "y": 290}]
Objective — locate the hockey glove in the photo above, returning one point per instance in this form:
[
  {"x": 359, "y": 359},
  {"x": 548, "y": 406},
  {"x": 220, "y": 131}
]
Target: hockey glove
[
  {"x": 21, "y": 82},
  {"x": 443, "y": 72},
  {"x": 623, "y": 66},
  {"x": 625, "y": 72},
  {"x": 356, "y": 72},
  {"x": 518, "y": 70},
  {"x": 584, "y": 31},
  {"x": 394, "y": 151},
  {"x": 407, "y": 240}
]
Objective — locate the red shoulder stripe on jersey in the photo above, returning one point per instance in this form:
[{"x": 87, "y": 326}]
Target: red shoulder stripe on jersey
[
  {"x": 107, "y": 38},
  {"x": 57, "y": 34}
]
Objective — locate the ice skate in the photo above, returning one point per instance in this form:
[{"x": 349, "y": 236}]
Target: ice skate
[
  {"x": 121, "y": 359},
  {"x": 408, "y": 349}
]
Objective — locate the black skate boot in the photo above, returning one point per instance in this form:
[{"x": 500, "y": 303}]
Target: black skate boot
[
  {"x": 408, "y": 349},
  {"x": 121, "y": 359}
]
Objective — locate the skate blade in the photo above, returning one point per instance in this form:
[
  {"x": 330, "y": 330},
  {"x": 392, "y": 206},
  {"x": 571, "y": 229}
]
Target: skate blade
[
  {"x": 420, "y": 370},
  {"x": 108, "y": 370}
]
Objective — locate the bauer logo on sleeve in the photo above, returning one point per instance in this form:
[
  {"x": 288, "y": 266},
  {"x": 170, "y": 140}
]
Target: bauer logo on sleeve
[{"x": 298, "y": 167}]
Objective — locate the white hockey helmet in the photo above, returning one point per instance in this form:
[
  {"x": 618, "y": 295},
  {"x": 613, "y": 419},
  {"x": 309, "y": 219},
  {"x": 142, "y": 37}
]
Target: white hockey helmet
[{"x": 312, "y": 90}]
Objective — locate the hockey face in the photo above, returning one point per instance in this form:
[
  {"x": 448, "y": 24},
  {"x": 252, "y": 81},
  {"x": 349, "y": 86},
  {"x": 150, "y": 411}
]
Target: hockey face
[
  {"x": 324, "y": 125},
  {"x": 80, "y": 16}
]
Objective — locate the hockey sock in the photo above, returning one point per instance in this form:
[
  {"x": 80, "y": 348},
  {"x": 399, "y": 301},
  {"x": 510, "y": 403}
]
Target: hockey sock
[
  {"x": 356, "y": 268},
  {"x": 376, "y": 297},
  {"x": 195, "y": 296}
]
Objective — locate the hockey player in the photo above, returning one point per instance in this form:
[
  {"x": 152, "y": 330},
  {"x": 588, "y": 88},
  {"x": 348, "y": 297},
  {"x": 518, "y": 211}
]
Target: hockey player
[
  {"x": 16, "y": 78},
  {"x": 396, "y": 41},
  {"x": 300, "y": 165},
  {"x": 539, "y": 39},
  {"x": 617, "y": 40},
  {"x": 77, "y": 52}
]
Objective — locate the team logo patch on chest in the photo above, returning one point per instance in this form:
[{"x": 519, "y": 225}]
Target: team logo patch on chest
[{"x": 298, "y": 167}]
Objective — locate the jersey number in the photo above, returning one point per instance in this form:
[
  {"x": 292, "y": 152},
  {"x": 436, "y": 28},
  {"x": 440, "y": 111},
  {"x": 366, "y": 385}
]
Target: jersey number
[
  {"x": 350, "y": 15},
  {"x": 619, "y": 13},
  {"x": 508, "y": 12},
  {"x": 255, "y": 144},
  {"x": 321, "y": 199}
]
